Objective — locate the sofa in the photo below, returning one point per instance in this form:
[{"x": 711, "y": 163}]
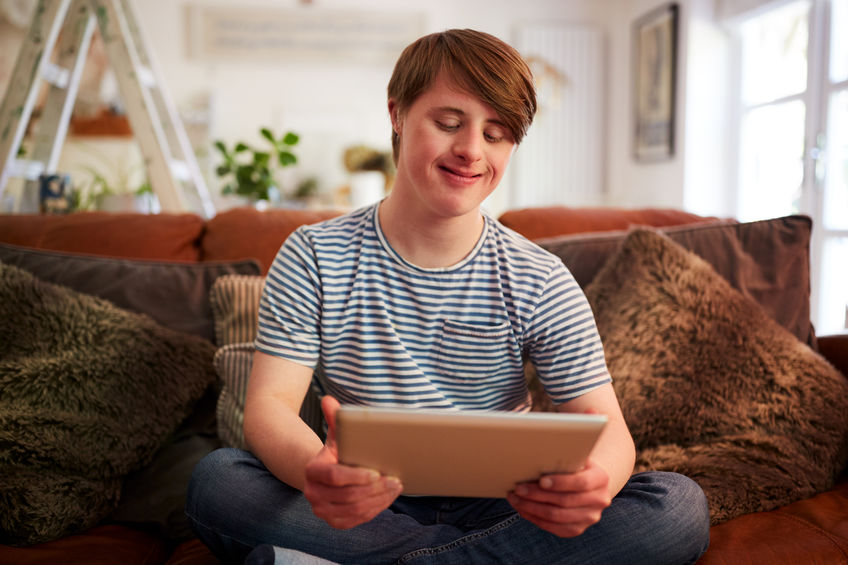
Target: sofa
[{"x": 122, "y": 334}]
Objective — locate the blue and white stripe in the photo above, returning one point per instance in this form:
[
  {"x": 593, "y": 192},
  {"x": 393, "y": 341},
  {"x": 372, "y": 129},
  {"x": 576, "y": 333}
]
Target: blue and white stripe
[{"x": 387, "y": 332}]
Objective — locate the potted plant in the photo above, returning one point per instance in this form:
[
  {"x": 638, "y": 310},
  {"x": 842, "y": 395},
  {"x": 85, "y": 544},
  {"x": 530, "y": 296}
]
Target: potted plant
[
  {"x": 114, "y": 184},
  {"x": 251, "y": 172}
]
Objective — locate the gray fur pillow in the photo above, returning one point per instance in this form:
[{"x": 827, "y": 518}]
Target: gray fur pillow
[
  {"x": 713, "y": 388},
  {"x": 88, "y": 393}
]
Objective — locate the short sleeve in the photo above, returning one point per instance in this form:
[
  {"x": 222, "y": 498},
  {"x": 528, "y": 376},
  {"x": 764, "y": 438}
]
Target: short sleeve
[
  {"x": 290, "y": 307},
  {"x": 563, "y": 341}
]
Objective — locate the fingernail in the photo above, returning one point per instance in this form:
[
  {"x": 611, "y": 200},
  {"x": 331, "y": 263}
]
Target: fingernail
[
  {"x": 546, "y": 482},
  {"x": 393, "y": 483},
  {"x": 373, "y": 475}
]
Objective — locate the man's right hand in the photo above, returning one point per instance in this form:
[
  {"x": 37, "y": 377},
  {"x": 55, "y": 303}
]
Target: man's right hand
[{"x": 341, "y": 495}]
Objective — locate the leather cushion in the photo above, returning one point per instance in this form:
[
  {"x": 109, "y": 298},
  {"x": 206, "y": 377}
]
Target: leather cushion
[
  {"x": 173, "y": 237},
  {"x": 246, "y": 232}
]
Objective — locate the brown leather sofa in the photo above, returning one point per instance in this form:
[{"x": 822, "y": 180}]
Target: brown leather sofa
[{"x": 813, "y": 530}]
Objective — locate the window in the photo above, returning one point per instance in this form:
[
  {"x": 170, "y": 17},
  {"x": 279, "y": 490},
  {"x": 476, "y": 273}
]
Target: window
[{"x": 793, "y": 135}]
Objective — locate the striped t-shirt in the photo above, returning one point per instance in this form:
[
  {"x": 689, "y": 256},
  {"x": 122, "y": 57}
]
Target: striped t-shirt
[{"x": 386, "y": 332}]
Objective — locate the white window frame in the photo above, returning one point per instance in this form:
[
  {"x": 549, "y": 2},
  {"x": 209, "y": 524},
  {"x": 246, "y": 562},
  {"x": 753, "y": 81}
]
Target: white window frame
[{"x": 816, "y": 99}]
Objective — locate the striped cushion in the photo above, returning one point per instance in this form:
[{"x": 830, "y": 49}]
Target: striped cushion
[
  {"x": 235, "y": 305},
  {"x": 232, "y": 362}
]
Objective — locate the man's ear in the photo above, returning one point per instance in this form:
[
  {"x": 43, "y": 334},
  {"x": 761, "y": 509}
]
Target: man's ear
[{"x": 394, "y": 115}]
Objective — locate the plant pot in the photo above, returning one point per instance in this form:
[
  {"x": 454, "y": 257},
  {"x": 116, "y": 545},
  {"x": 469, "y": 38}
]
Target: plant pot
[{"x": 366, "y": 187}]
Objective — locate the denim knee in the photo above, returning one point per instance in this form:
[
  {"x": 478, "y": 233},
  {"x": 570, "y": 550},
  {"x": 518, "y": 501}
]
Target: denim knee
[
  {"x": 207, "y": 471},
  {"x": 680, "y": 524},
  {"x": 208, "y": 501}
]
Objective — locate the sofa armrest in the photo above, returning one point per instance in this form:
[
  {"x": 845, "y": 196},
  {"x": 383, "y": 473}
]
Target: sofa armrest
[{"x": 835, "y": 349}]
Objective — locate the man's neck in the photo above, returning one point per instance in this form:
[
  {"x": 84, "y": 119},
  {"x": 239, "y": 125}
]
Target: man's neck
[{"x": 426, "y": 241}]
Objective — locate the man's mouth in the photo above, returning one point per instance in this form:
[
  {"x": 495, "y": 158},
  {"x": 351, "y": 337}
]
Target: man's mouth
[{"x": 460, "y": 173}]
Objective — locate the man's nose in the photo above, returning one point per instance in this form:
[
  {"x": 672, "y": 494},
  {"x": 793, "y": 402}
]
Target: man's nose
[{"x": 468, "y": 145}]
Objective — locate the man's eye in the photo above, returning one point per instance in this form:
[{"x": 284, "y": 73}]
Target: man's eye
[
  {"x": 493, "y": 137},
  {"x": 448, "y": 126}
]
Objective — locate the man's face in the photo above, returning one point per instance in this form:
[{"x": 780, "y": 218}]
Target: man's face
[{"x": 453, "y": 150}]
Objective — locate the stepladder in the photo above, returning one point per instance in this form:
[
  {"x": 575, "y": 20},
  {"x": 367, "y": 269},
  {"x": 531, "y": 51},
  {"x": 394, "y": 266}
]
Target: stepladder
[{"x": 53, "y": 53}]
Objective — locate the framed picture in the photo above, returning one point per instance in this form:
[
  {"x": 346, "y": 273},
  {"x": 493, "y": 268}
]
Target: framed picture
[{"x": 654, "y": 78}]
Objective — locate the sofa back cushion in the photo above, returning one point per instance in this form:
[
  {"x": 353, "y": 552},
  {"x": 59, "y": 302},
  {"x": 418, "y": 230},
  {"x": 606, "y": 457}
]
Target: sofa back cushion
[
  {"x": 173, "y": 237},
  {"x": 246, "y": 232},
  {"x": 551, "y": 221},
  {"x": 768, "y": 261},
  {"x": 174, "y": 294}
]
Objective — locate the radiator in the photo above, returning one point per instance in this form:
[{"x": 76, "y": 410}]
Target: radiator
[{"x": 561, "y": 160}]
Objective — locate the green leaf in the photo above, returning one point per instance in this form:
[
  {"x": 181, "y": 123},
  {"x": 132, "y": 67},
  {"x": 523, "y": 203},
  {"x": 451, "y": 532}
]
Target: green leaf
[
  {"x": 222, "y": 170},
  {"x": 286, "y": 158},
  {"x": 261, "y": 158},
  {"x": 291, "y": 138},
  {"x": 241, "y": 146},
  {"x": 266, "y": 133},
  {"x": 221, "y": 147}
]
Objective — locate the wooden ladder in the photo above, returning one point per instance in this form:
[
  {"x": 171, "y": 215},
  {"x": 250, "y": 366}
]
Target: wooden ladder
[{"x": 172, "y": 168}]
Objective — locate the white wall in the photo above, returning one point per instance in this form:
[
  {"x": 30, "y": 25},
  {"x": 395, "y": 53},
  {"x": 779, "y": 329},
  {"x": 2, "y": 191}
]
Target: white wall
[
  {"x": 332, "y": 105},
  {"x": 632, "y": 183}
]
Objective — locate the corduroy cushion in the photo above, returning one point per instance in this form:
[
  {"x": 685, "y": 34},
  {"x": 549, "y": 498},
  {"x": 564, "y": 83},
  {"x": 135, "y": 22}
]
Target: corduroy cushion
[
  {"x": 712, "y": 387},
  {"x": 233, "y": 363},
  {"x": 235, "y": 303},
  {"x": 235, "y": 306}
]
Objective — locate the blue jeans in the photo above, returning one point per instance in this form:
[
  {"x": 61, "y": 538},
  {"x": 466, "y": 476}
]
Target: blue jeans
[{"x": 236, "y": 504}]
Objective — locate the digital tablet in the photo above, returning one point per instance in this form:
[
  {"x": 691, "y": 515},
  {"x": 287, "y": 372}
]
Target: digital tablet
[{"x": 476, "y": 454}]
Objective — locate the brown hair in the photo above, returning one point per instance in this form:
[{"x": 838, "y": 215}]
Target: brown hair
[{"x": 480, "y": 63}]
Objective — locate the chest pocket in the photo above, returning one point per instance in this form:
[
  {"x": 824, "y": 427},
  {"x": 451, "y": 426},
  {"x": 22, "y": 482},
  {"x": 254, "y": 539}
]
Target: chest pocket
[{"x": 474, "y": 351}]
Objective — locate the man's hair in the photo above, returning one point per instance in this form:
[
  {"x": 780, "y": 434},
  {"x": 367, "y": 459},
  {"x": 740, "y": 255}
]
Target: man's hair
[{"x": 480, "y": 63}]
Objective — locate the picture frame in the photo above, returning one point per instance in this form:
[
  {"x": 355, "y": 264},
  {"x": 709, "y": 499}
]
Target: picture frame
[{"x": 654, "y": 83}]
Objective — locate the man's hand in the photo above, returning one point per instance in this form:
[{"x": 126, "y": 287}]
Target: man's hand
[
  {"x": 341, "y": 495},
  {"x": 564, "y": 504}
]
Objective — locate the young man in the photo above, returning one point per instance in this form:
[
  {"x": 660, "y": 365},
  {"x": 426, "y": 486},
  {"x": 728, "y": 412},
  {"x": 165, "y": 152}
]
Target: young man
[{"x": 424, "y": 301}]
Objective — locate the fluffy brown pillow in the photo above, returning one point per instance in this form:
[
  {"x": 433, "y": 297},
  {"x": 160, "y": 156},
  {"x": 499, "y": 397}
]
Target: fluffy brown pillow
[
  {"x": 88, "y": 394},
  {"x": 711, "y": 386}
]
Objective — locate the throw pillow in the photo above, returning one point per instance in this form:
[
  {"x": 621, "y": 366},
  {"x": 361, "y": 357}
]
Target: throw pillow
[
  {"x": 711, "y": 386},
  {"x": 235, "y": 308},
  {"x": 768, "y": 261},
  {"x": 235, "y": 305},
  {"x": 153, "y": 498},
  {"x": 88, "y": 393},
  {"x": 233, "y": 363},
  {"x": 176, "y": 295}
]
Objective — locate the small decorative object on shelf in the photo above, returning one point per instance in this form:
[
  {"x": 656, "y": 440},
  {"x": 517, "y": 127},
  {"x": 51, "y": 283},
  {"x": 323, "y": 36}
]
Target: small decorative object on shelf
[
  {"x": 55, "y": 194},
  {"x": 372, "y": 174}
]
